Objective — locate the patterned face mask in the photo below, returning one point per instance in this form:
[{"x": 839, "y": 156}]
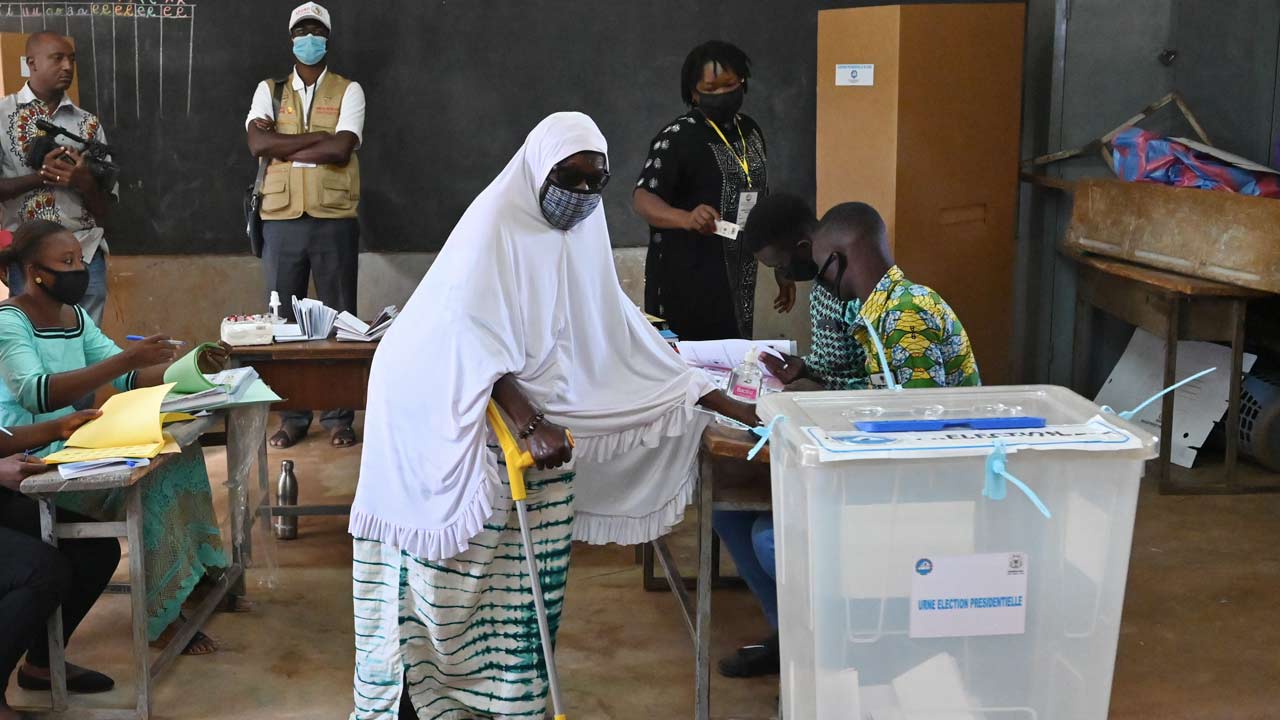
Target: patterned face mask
[{"x": 564, "y": 209}]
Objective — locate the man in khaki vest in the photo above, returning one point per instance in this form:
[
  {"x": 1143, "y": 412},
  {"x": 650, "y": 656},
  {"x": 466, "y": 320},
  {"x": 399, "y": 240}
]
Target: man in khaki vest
[{"x": 311, "y": 190}]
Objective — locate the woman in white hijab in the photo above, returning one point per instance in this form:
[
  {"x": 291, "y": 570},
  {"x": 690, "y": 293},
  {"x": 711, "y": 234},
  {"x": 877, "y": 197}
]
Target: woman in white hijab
[{"x": 522, "y": 305}]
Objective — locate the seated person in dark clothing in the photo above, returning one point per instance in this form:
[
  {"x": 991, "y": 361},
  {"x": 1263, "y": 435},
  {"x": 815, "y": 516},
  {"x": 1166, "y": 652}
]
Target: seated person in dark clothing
[{"x": 36, "y": 578}]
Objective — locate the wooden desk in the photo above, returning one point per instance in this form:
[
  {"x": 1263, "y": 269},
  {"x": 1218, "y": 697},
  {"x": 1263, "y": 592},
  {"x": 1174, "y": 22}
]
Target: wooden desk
[
  {"x": 312, "y": 375},
  {"x": 245, "y": 447},
  {"x": 1174, "y": 307},
  {"x": 726, "y": 481}
]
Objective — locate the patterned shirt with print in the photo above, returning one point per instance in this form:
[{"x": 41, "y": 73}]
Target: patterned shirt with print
[
  {"x": 18, "y": 115},
  {"x": 925, "y": 344},
  {"x": 835, "y": 359}
]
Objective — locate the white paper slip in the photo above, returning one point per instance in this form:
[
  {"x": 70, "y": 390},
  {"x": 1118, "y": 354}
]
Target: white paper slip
[
  {"x": 969, "y": 595},
  {"x": 727, "y": 229},
  {"x": 1096, "y": 435},
  {"x": 857, "y": 75},
  {"x": 726, "y": 354},
  {"x": 288, "y": 333}
]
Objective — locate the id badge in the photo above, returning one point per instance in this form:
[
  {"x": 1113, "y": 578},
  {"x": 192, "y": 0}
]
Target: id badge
[{"x": 746, "y": 201}]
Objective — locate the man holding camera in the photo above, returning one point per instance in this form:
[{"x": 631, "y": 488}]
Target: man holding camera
[{"x": 60, "y": 185}]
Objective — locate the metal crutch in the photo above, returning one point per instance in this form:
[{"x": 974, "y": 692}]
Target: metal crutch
[{"x": 517, "y": 461}]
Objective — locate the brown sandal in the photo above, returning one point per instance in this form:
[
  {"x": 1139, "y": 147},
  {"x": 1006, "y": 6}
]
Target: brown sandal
[
  {"x": 285, "y": 438},
  {"x": 343, "y": 438}
]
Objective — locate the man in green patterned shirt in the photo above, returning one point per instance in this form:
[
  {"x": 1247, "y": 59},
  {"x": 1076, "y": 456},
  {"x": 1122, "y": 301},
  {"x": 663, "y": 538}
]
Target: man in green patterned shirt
[
  {"x": 923, "y": 341},
  {"x": 779, "y": 233}
]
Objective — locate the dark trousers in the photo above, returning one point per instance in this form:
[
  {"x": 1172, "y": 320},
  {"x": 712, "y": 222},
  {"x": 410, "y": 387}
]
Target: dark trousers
[
  {"x": 35, "y": 578},
  {"x": 293, "y": 252}
]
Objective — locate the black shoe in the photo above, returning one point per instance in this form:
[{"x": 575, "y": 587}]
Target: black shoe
[
  {"x": 753, "y": 660},
  {"x": 79, "y": 680}
]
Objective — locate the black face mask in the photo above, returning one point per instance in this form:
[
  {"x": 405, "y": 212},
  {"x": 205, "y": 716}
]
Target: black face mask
[
  {"x": 841, "y": 265},
  {"x": 69, "y": 286},
  {"x": 801, "y": 268},
  {"x": 723, "y": 107}
]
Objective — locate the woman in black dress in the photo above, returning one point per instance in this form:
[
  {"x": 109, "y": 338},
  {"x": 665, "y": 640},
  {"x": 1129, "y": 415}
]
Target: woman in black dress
[{"x": 706, "y": 165}]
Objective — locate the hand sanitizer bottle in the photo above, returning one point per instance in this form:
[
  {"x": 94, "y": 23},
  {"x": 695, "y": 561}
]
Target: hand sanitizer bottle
[
  {"x": 274, "y": 304},
  {"x": 747, "y": 379}
]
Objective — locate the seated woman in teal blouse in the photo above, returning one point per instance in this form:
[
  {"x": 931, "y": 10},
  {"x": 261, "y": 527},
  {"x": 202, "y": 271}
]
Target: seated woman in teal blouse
[{"x": 51, "y": 356}]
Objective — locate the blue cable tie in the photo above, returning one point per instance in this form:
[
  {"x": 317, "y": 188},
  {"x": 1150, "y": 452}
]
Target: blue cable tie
[
  {"x": 997, "y": 474},
  {"x": 884, "y": 364},
  {"x": 764, "y": 433}
]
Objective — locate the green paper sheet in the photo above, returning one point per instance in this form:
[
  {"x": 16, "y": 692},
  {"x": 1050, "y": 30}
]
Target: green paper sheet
[{"x": 185, "y": 373}]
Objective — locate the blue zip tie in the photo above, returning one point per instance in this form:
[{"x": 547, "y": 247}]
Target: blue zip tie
[
  {"x": 884, "y": 364},
  {"x": 1128, "y": 414},
  {"x": 764, "y": 433},
  {"x": 997, "y": 473}
]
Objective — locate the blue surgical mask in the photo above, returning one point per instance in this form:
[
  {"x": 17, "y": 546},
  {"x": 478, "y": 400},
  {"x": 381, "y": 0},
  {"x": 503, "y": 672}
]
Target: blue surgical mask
[
  {"x": 310, "y": 49},
  {"x": 564, "y": 209}
]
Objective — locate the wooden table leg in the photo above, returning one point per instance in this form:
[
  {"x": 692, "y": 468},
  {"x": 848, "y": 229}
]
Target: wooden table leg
[
  {"x": 57, "y": 651},
  {"x": 1172, "y": 317},
  {"x": 1081, "y": 345},
  {"x": 702, "y": 677},
  {"x": 138, "y": 600},
  {"x": 1238, "y": 310}
]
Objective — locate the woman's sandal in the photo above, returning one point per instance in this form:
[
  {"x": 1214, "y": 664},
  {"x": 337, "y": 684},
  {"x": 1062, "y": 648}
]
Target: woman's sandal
[{"x": 210, "y": 645}]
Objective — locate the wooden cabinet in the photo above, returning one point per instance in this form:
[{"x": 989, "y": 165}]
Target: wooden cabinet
[{"x": 933, "y": 143}]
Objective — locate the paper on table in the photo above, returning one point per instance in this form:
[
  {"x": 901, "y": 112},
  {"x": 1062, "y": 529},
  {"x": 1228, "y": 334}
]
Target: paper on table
[
  {"x": 726, "y": 354},
  {"x": 1197, "y": 405},
  {"x": 173, "y": 417},
  {"x": 185, "y": 372},
  {"x": 131, "y": 418},
  {"x": 258, "y": 392}
]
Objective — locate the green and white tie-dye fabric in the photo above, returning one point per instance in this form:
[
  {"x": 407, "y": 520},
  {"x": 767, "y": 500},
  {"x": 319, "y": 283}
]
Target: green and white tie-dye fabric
[{"x": 462, "y": 632}]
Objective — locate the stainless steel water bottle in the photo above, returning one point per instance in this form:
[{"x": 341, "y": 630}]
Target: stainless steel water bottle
[{"x": 286, "y": 526}]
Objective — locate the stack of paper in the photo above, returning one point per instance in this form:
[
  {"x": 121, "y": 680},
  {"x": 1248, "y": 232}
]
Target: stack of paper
[
  {"x": 129, "y": 427},
  {"x": 226, "y": 387},
  {"x": 195, "y": 390},
  {"x": 315, "y": 319},
  {"x": 353, "y": 329},
  {"x": 89, "y": 468},
  {"x": 726, "y": 354}
]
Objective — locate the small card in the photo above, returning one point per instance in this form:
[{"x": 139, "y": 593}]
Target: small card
[{"x": 727, "y": 229}]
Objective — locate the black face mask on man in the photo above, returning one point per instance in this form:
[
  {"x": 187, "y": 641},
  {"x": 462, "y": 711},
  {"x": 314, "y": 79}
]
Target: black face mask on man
[
  {"x": 721, "y": 107},
  {"x": 801, "y": 267},
  {"x": 68, "y": 286}
]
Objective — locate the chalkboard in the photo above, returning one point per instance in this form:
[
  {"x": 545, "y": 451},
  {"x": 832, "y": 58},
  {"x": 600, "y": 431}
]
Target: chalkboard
[{"x": 453, "y": 87}]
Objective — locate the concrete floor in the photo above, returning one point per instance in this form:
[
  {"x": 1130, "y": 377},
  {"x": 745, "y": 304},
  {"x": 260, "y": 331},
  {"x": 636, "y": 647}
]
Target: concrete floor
[{"x": 1199, "y": 638}]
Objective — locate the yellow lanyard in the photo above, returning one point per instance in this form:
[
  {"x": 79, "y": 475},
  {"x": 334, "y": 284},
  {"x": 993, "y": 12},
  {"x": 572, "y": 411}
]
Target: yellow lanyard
[{"x": 742, "y": 159}]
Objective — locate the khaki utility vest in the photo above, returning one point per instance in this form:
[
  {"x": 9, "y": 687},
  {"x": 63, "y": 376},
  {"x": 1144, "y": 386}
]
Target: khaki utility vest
[{"x": 324, "y": 191}]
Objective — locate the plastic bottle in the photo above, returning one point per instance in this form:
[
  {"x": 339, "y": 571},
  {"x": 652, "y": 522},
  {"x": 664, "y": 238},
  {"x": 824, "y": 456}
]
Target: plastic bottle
[
  {"x": 747, "y": 378},
  {"x": 274, "y": 304}
]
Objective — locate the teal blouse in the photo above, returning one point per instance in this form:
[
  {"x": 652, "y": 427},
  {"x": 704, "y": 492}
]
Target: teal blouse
[{"x": 29, "y": 355}]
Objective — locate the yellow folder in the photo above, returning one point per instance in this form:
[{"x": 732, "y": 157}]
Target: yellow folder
[{"x": 129, "y": 427}]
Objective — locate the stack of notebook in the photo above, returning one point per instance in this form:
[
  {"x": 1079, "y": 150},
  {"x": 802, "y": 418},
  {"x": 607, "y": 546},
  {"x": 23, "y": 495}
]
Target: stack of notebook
[
  {"x": 315, "y": 319},
  {"x": 226, "y": 387},
  {"x": 353, "y": 329}
]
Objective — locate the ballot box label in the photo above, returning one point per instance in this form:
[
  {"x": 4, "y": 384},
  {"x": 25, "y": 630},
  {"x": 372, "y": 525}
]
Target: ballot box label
[
  {"x": 969, "y": 595},
  {"x": 856, "y": 75}
]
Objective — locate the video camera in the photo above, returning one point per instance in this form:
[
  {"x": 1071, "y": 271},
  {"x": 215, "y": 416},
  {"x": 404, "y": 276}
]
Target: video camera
[{"x": 96, "y": 155}]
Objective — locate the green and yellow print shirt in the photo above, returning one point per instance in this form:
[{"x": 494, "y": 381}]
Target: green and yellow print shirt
[{"x": 924, "y": 342}]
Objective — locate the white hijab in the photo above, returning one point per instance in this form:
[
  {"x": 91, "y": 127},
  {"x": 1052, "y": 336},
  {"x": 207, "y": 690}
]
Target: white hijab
[{"x": 511, "y": 294}]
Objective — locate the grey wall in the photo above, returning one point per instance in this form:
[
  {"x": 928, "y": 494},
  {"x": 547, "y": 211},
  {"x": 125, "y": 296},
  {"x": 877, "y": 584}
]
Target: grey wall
[{"x": 1103, "y": 70}]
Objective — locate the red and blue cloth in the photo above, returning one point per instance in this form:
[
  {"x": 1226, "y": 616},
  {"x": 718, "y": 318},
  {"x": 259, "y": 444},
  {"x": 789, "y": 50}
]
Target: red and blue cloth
[{"x": 1142, "y": 156}]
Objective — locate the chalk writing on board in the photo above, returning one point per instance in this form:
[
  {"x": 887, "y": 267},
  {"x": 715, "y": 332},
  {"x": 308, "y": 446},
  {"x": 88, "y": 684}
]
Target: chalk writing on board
[{"x": 85, "y": 21}]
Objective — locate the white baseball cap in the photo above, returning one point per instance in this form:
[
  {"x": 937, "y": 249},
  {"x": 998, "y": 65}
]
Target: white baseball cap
[{"x": 309, "y": 11}]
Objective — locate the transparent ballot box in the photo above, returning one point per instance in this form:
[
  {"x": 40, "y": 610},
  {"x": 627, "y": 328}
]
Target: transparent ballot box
[{"x": 954, "y": 554}]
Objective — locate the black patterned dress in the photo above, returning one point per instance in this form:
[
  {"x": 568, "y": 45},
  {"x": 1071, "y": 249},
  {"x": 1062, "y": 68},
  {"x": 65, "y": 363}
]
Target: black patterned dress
[{"x": 703, "y": 285}]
